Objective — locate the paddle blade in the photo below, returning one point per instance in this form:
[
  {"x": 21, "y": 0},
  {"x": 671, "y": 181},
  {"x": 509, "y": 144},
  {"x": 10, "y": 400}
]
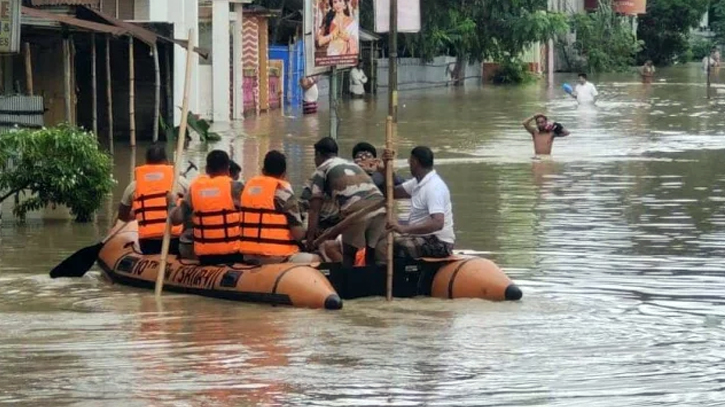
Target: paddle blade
[
  {"x": 567, "y": 88},
  {"x": 78, "y": 263}
]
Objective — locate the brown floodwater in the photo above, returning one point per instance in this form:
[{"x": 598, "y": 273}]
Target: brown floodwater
[{"x": 617, "y": 242}]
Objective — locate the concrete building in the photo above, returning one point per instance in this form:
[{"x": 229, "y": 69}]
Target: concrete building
[{"x": 217, "y": 85}]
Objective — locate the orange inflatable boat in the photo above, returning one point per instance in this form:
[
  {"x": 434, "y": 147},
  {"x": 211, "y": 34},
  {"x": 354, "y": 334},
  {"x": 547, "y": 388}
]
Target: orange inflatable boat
[
  {"x": 311, "y": 286},
  {"x": 283, "y": 284}
]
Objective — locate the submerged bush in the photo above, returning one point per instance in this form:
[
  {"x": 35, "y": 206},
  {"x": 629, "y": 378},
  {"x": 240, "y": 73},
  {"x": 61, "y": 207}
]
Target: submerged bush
[
  {"x": 61, "y": 165},
  {"x": 512, "y": 71}
]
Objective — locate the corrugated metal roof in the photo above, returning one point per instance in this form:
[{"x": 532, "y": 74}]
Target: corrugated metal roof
[
  {"x": 65, "y": 19},
  {"x": 145, "y": 35},
  {"x": 89, "y": 3}
]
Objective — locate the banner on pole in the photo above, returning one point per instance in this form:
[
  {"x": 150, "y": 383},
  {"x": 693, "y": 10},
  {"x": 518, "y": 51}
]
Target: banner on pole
[
  {"x": 332, "y": 34},
  {"x": 408, "y": 16},
  {"x": 9, "y": 26}
]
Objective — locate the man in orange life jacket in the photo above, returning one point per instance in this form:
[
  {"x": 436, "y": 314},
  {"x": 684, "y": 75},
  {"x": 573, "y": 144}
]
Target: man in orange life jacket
[
  {"x": 272, "y": 228},
  {"x": 212, "y": 207},
  {"x": 145, "y": 200}
]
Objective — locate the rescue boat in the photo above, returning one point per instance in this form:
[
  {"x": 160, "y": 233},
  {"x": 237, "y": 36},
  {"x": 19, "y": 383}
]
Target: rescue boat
[
  {"x": 310, "y": 286},
  {"x": 298, "y": 285}
]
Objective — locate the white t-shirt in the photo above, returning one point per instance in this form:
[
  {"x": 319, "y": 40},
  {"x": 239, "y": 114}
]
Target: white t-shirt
[
  {"x": 586, "y": 93},
  {"x": 706, "y": 60},
  {"x": 357, "y": 81},
  {"x": 428, "y": 197},
  {"x": 311, "y": 94}
]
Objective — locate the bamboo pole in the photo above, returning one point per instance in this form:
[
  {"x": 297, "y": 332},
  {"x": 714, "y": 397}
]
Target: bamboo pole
[
  {"x": 94, "y": 84},
  {"x": 391, "y": 129},
  {"x": 389, "y": 205},
  {"x": 177, "y": 162},
  {"x": 109, "y": 93},
  {"x": 157, "y": 92},
  {"x": 66, "y": 79},
  {"x": 131, "y": 93},
  {"x": 28, "y": 69}
]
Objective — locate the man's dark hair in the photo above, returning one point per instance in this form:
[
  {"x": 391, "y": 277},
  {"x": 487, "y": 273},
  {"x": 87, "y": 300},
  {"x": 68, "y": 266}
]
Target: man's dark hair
[
  {"x": 156, "y": 154},
  {"x": 326, "y": 147},
  {"x": 424, "y": 155},
  {"x": 540, "y": 115},
  {"x": 234, "y": 168},
  {"x": 275, "y": 163},
  {"x": 217, "y": 162},
  {"x": 583, "y": 75},
  {"x": 364, "y": 147}
]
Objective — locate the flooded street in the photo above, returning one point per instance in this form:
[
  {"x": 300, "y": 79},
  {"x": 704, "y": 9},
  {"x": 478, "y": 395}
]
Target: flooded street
[{"x": 617, "y": 242}]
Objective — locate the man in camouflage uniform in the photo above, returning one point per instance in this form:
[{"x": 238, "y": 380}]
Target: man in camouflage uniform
[{"x": 352, "y": 189}]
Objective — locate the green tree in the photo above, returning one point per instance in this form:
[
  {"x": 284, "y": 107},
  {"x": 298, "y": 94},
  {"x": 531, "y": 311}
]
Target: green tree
[
  {"x": 481, "y": 29},
  {"x": 665, "y": 28},
  {"x": 61, "y": 165},
  {"x": 717, "y": 20},
  {"x": 604, "y": 41}
]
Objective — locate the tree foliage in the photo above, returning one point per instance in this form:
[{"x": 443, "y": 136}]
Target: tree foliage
[
  {"x": 604, "y": 41},
  {"x": 665, "y": 28},
  {"x": 717, "y": 20},
  {"x": 61, "y": 165},
  {"x": 480, "y": 29}
]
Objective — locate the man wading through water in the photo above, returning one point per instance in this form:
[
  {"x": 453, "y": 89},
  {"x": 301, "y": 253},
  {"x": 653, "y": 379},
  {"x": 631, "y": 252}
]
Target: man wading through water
[{"x": 543, "y": 133}]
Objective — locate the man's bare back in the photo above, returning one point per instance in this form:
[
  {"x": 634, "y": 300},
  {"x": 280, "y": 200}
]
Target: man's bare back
[{"x": 543, "y": 133}]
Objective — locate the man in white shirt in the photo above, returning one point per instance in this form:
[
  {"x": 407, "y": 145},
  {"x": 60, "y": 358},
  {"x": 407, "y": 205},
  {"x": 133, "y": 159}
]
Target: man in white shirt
[
  {"x": 310, "y": 95},
  {"x": 585, "y": 91},
  {"x": 358, "y": 81},
  {"x": 429, "y": 231},
  {"x": 713, "y": 60}
]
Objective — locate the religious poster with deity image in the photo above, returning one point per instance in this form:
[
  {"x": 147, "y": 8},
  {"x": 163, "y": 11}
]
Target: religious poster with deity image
[{"x": 336, "y": 32}]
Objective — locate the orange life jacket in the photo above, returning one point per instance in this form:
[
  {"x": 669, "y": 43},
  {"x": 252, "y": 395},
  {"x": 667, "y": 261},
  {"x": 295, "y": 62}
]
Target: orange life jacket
[
  {"x": 216, "y": 219},
  {"x": 153, "y": 182},
  {"x": 360, "y": 258},
  {"x": 265, "y": 231}
]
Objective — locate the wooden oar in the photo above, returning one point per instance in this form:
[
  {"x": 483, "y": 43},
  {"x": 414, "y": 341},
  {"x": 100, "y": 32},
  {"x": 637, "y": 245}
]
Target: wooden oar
[
  {"x": 180, "y": 139},
  {"x": 78, "y": 264},
  {"x": 332, "y": 232}
]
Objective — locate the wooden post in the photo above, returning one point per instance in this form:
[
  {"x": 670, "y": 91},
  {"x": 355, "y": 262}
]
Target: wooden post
[
  {"x": 131, "y": 93},
  {"x": 73, "y": 93},
  {"x": 109, "y": 93},
  {"x": 372, "y": 66},
  {"x": 94, "y": 84},
  {"x": 177, "y": 162},
  {"x": 708, "y": 76},
  {"x": 281, "y": 91},
  {"x": 66, "y": 79},
  {"x": 169, "y": 120},
  {"x": 157, "y": 93},
  {"x": 28, "y": 69},
  {"x": 333, "y": 102}
]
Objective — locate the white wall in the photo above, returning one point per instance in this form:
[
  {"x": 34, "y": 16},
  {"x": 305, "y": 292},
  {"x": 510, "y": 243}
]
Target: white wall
[
  {"x": 206, "y": 104},
  {"x": 412, "y": 73}
]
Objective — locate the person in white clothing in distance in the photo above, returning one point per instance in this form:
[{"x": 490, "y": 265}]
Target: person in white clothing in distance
[
  {"x": 429, "y": 231},
  {"x": 358, "y": 81},
  {"x": 585, "y": 91}
]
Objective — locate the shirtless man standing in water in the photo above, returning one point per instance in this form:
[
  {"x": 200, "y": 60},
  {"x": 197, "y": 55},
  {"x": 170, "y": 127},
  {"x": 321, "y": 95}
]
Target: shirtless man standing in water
[{"x": 544, "y": 133}]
